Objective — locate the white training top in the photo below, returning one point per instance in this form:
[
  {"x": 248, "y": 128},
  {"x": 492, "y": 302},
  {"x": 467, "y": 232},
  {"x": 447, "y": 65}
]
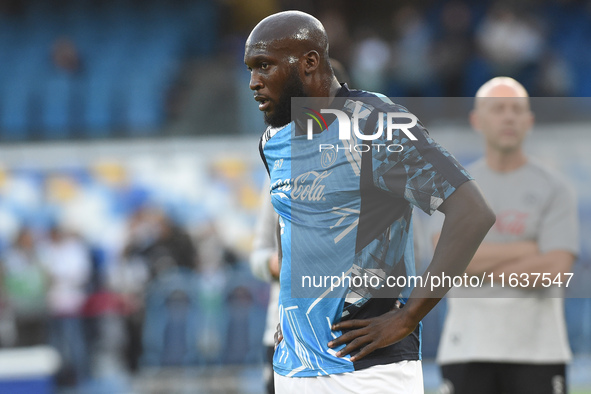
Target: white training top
[{"x": 509, "y": 324}]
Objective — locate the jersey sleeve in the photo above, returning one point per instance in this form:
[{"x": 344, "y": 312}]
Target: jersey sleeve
[{"x": 421, "y": 171}]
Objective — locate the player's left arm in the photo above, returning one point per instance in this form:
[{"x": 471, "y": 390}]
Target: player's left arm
[
  {"x": 460, "y": 236},
  {"x": 430, "y": 178}
]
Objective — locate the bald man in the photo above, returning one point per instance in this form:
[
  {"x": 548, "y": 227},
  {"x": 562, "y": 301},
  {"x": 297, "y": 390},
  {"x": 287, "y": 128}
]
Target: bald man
[
  {"x": 503, "y": 339},
  {"x": 348, "y": 213}
]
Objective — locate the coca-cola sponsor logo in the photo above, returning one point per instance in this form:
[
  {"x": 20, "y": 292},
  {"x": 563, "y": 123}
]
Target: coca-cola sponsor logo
[
  {"x": 308, "y": 186},
  {"x": 305, "y": 187}
]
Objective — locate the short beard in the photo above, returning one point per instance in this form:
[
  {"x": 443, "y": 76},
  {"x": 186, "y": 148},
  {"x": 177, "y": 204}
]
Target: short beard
[{"x": 294, "y": 87}]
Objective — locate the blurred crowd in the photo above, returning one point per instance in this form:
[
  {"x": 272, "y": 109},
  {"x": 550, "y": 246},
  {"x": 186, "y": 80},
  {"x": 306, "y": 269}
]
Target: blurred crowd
[
  {"x": 126, "y": 68},
  {"x": 156, "y": 306},
  {"x": 164, "y": 288},
  {"x": 450, "y": 47}
]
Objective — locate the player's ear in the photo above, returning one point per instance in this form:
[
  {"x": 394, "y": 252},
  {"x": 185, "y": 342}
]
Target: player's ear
[{"x": 311, "y": 62}]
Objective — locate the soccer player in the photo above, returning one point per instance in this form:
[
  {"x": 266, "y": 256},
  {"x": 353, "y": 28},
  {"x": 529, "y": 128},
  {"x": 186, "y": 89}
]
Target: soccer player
[
  {"x": 504, "y": 339},
  {"x": 349, "y": 214},
  {"x": 264, "y": 261}
]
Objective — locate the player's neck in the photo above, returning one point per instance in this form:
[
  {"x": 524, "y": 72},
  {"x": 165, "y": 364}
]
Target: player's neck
[
  {"x": 325, "y": 89},
  {"x": 335, "y": 86},
  {"x": 505, "y": 161}
]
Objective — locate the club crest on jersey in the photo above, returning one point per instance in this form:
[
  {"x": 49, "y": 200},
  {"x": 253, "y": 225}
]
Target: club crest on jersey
[{"x": 328, "y": 158}]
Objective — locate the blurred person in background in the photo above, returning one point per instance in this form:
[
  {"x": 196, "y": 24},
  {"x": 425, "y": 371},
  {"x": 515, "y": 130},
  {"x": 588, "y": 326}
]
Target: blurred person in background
[
  {"x": 156, "y": 246},
  {"x": 159, "y": 243},
  {"x": 412, "y": 53},
  {"x": 499, "y": 339},
  {"x": 371, "y": 59},
  {"x": 129, "y": 278},
  {"x": 66, "y": 258},
  {"x": 24, "y": 286},
  {"x": 338, "y": 30},
  {"x": 512, "y": 43},
  {"x": 65, "y": 55},
  {"x": 453, "y": 47}
]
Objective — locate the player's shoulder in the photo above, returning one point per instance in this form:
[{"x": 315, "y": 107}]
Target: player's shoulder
[
  {"x": 379, "y": 108},
  {"x": 270, "y": 132},
  {"x": 378, "y": 101}
]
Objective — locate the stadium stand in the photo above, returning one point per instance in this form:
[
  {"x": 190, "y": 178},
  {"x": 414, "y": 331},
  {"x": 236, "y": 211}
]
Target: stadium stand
[
  {"x": 129, "y": 56},
  {"x": 131, "y": 53}
]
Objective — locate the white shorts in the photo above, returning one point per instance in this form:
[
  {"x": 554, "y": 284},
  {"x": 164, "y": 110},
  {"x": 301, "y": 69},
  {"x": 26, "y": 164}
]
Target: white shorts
[{"x": 405, "y": 377}]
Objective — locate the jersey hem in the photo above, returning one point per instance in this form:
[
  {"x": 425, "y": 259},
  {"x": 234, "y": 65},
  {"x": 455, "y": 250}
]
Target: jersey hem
[
  {"x": 357, "y": 366},
  {"x": 363, "y": 364},
  {"x": 307, "y": 373}
]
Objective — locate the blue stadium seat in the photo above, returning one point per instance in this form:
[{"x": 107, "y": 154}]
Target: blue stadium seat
[
  {"x": 144, "y": 106},
  {"x": 56, "y": 105},
  {"x": 203, "y": 20},
  {"x": 97, "y": 107},
  {"x": 582, "y": 76},
  {"x": 478, "y": 72},
  {"x": 105, "y": 66},
  {"x": 23, "y": 73},
  {"x": 15, "y": 98},
  {"x": 245, "y": 315},
  {"x": 171, "y": 321},
  {"x": 130, "y": 53}
]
